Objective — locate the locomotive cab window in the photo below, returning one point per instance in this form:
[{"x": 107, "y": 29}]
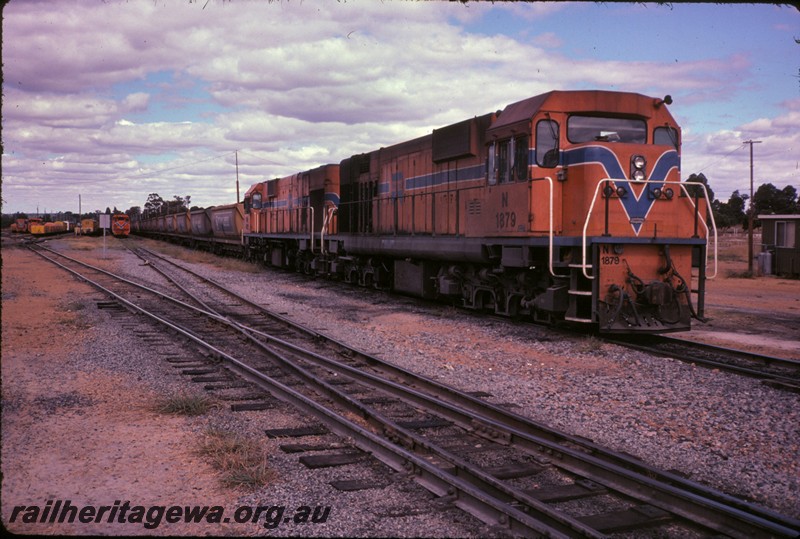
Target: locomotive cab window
[
  {"x": 504, "y": 161},
  {"x": 256, "y": 201},
  {"x": 666, "y": 136},
  {"x": 547, "y": 143},
  {"x": 519, "y": 169},
  {"x": 606, "y": 129},
  {"x": 508, "y": 161}
]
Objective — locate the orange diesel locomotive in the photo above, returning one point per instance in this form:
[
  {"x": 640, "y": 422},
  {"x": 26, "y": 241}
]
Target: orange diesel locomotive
[
  {"x": 120, "y": 225},
  {"x": 566, "y": 206}
]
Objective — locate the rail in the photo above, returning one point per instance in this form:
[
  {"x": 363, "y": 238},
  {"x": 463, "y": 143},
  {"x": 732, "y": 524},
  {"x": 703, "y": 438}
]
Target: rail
[
  {"x": 683, "y": 186},
  {"x": 689, "y": 500}
]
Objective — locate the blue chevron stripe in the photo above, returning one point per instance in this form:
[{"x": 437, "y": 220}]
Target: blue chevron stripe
[{"x": 636, "y": 207}]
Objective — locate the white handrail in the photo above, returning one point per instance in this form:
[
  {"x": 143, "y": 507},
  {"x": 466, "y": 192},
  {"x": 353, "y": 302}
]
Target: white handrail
[
  {"x": 550, "y": 230},
  {"x": 326, "y": 219},
  {"x": 705, "y": 225},
  {"x": 683, "y": 186},
  {"x": 311, "y": 227},
  {"x": 586, "y": 226}
]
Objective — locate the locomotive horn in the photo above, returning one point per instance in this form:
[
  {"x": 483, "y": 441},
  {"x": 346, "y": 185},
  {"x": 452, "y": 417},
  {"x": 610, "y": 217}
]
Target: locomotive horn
[{"x": 667, "y": 99}]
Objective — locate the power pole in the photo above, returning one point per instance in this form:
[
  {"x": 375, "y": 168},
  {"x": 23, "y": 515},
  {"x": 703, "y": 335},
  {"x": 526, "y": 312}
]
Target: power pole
[
  {"x": 237, "y": 176},
  {"x": 752, "y": 210}
]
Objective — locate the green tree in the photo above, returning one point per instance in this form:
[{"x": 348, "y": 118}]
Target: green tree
[
  {"x": 153, "y": 204},
  {"x": 768, "y": 199},
  {"x": 731, "y": 213},
  {"x": 696, "y": 191}
]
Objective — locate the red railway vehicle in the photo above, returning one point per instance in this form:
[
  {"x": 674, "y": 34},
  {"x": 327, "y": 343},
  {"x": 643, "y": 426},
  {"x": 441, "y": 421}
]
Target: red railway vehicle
[
  {"x": 301, "y": 207},
  {"x": 20, "y": 225},
  {"x": 120, "y": 225},
  {"x": 89, "y": 227},
  {"x": 567, "y": 206}
]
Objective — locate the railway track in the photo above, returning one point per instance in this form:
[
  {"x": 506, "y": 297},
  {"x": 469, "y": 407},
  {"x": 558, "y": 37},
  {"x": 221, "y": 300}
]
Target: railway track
[
  {"x": 455, "y": 444},
  {"x": 781, "y": 373}
]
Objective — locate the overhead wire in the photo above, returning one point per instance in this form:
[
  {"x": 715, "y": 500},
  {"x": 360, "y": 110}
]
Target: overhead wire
[
  {"x": 721, "y": 158},
  {"x": 162, "y": 170}
]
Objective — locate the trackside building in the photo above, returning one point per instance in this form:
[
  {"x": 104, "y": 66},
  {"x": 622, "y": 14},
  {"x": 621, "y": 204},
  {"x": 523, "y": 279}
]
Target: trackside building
[{"x": 779, "y": 244}]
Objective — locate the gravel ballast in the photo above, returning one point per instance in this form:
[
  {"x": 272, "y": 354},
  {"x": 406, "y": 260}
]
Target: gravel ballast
[{"x": 729, "y": 432}]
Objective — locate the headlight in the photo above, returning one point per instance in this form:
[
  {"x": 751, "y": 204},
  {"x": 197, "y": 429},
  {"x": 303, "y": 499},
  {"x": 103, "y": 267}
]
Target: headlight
[
  {"x": 669, "y": 193},
  {"x": 638, "y": 164},
  {"x": 621, "y": 192}
]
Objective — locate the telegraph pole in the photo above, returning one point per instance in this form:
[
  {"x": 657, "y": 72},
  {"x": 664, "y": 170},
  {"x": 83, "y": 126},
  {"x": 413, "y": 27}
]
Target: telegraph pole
[
  {"x": 752, "y": 210},
  {"x": 237, "y": 176}
]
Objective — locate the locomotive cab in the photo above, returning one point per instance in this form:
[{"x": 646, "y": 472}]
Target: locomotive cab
[{"x": 617, "y": 182}]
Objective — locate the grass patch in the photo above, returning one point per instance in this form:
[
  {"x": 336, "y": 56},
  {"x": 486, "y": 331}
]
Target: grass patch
[
  {"x": 76, "y": 323},
  {"x": 84, "y": 243},
  {"x": 90, "y": 243},
  {"x": 203, "y": 257},
  {"x": 731, "y": 257},
  {"x": 189, "y": 405},
  {"x": 73, "y": 306},
  {"x": 242, "y": 462},
  {"x": 732, "y": 274}
]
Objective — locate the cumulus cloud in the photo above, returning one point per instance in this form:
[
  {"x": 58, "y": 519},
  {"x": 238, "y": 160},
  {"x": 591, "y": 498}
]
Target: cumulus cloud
[
  {"x": 155, "y": 96},
  {"x": 724, "y": 157}
]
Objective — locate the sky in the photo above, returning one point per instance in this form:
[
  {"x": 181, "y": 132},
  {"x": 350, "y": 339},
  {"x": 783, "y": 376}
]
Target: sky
[{"x": 114, "y": 100}]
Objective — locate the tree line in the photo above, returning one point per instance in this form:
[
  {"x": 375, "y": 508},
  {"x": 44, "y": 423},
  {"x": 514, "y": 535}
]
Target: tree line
[
  {"x": 767, "y": 200},
  {"x": 156, "y": 205}
]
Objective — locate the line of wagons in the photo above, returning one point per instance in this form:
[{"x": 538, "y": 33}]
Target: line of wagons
[
  {"x": 217, "y": 228},
  {"x": 120, "y": 226},
  {"x": 37, "y": 227}
]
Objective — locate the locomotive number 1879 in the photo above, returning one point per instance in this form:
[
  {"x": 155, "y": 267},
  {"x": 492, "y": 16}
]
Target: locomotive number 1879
[
  {"x": 506, "y": 219},
  {"x": 608, "y": 257}
]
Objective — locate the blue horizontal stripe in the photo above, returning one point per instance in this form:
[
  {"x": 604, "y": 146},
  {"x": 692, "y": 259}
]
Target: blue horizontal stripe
[{"x": 475, "y": 172}]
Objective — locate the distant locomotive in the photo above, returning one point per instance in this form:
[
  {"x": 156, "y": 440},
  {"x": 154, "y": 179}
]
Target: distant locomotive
[
  {"x": 566, "y": 207},
  {"x": 89, "y": 227},
  {"x": 20, "y": 225},
  {"x": 120, "y": 225}
]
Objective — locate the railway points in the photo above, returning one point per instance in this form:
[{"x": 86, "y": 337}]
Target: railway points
[{"x": 662, "y": 515}]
